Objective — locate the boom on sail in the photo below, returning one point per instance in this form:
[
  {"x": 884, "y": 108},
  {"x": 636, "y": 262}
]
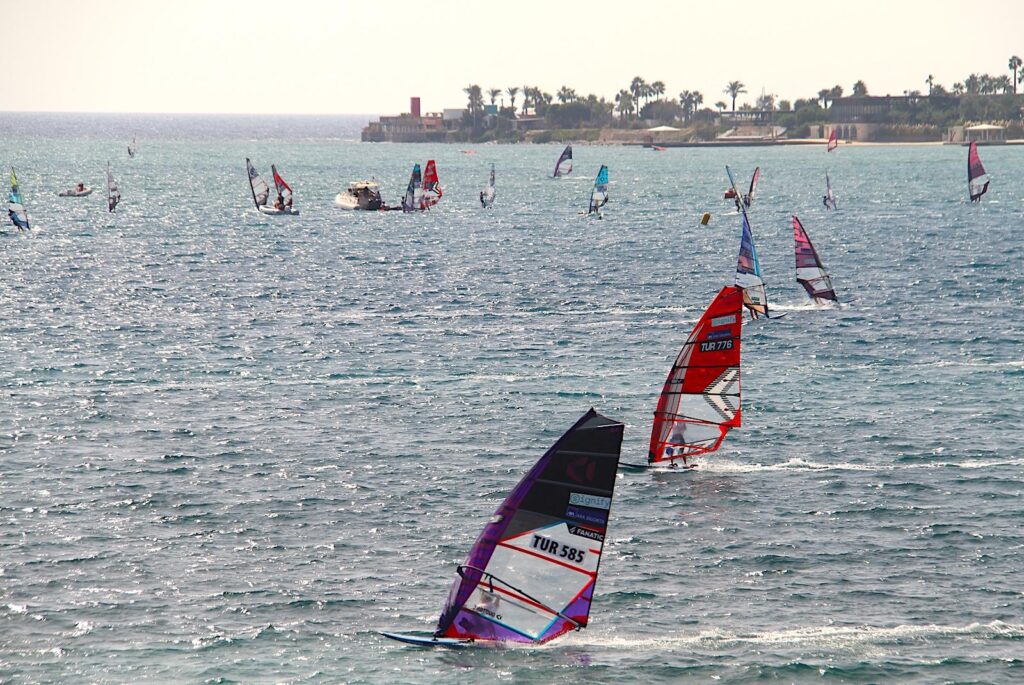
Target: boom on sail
[{"x": 700, "y": 401}]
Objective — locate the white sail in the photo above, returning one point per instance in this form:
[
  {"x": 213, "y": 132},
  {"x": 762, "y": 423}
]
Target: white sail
[
  {"x": 113, "y": 194},
  {"x": 259, "y": 187}
]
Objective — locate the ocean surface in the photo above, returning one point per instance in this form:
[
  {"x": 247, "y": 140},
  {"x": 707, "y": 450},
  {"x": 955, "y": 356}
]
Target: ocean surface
[{"x": 233, "y": 447}]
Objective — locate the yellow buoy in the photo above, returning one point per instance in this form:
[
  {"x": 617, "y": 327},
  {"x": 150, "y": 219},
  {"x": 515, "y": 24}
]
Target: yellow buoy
[{"x": 705, "y": 219}]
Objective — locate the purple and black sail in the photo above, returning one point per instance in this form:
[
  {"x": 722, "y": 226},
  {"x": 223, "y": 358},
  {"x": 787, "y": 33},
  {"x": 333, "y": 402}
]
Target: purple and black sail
[
  {"x": 530, "y": 576},
  {"x": 977, "y": 179}
]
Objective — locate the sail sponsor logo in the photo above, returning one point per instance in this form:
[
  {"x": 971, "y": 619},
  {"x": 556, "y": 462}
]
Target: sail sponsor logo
[
  {"x": 593, "y": 501},
  {"x": 557, "y": 549},
  {"x": 584, "y": 515},
  {"x": 581, "y": 532},
  {"x": 723, "y": 320},
  {"x": 718, "y": 335}
]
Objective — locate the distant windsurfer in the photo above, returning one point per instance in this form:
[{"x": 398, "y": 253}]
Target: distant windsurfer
[{"x": 483, "y": 202}]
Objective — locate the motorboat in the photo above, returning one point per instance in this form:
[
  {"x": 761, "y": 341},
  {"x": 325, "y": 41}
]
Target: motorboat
[
  {"x": 79, "y": 190},
  {"x": 360, "y": 195}
]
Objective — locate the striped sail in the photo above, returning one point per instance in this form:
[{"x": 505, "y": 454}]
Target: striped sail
[
  {"x": 16, "y": 205},
  {"x": 977, "y": 179},
  {"x": 414, "y": 191},
  {"x": 260, "y": 189},
  {"x": 700, "y": 401},
  {"x": 563, "y": 167},
  {"x": 530, "y": 576},
  {"x": 810, "y": 272}
]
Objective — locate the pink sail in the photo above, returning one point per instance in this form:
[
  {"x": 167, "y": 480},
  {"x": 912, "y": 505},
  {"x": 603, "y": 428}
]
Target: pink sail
[
  {"x": 810, "y": 272},
  {"x": 833, "y": 141}
]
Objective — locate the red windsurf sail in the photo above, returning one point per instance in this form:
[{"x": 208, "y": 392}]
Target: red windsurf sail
[
  {"x": 977, "y": 179},
  {"x": 700, "y": 401},
  {"x": 431, "y": 186},
  {"x": 833, "y": 141},
  {"x": 810, "y": 272}
]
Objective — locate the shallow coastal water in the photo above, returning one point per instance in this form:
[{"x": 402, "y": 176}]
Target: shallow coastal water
[{"x": 233, "y": 446}]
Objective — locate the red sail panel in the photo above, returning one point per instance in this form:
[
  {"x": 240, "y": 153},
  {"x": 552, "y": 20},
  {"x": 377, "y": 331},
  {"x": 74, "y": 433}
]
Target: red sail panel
[
  {"x": 833, "y": 141},
  {"x": 977, "y": 179},
  {"x": 700, "y": 401},
  {"x": 431, "y": 186}
]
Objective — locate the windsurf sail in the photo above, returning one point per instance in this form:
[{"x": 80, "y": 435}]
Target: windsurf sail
[
  {"x": 748, "y": 269},
  {"x": 132, "y": 147},
  {"x": 260, "y": 189},
  {"x": 599, "y": 195},
  {"x": 431, "y": 186},
  {"x": 700, "y": 401},
  {"x": 977, "y": 179},
  {"x": 113, "y": 194},
  {"x": 530, "y": 576},
  {"x": 833, "y": 141},
  {"x": 563, "y": 167},
  {"x": 16, "y": 205},
  {"x": 284, "y": 191},
  {"x": 810, "y": 272},
  {"x": 749, "y": 197},
  {"x": 414, "y": 192},
  {"x": 830, "y": 199},
  {"x": 488, "y": 193}
]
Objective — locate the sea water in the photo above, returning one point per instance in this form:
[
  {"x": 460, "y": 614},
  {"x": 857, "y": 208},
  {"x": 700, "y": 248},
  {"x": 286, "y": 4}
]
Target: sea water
[{"x": 233, "y": 447}]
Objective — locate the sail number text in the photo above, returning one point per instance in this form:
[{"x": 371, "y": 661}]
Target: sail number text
[
  {"x": 715, "y": 345},
  {"x": 558, "y": 550}
]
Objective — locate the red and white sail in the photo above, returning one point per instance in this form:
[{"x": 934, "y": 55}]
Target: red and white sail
[
  {"x": 977, "y": 179},
  {"x": 833, "y": 141},
  {"x": 700, "y": 401},
  {"x": 431, "y": 186},
  {"x": 284, "y": 191}
]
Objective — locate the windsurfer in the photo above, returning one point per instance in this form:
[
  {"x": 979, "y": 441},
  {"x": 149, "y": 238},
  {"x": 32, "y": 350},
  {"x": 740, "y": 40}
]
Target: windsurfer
[
  {"x": 482, "y": 200},
  {"x": 279, "y": 203}
]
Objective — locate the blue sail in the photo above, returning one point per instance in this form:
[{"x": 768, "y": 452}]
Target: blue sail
[
  {"x": 16, "y": 206},
  {"x": 599, "y": 195},
  {"x": 748, "y": 269}
]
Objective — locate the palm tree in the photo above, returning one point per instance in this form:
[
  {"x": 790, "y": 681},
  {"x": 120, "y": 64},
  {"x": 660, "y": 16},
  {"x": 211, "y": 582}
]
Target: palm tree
[
  {"x": 493, "y": 93},
  {"x": 732, "y": 90},
  {"x": 512, "y": 91},
  {"x": 930, "y": 80},
  {"x": 686, "y": 100},
  {"x": 823, "y": 96},
  {"x": 636, "y": 89},
  {"x": 958, "y": 88},
  {"x": 860, "y": 89},
  {"x": 476, "y": 100},
  {"x": 1002, "y": 83},
  {"x": 1014, "y": 65},
  {"x": 972, "y": 84},
  {"x": 527, "y": 93},
  {"x": 720, "y": 106},
  {"x": 658, "y": 88},
  {"x": 698, "y": 100},
  {"x": 835, "y": 93},
  {"x": 624, "y": 103},
  {"x": 566, "y": 94}
]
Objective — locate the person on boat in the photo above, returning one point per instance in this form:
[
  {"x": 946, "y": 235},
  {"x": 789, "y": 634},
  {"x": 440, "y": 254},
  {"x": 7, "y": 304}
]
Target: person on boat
[
  {"x": 825, "y": 201},
  {"x": 80, "y": 188},
  {"x": 746, "y": 200},
  {"x": 279, "y": 203},
  {"x": 483, "y": 202}
]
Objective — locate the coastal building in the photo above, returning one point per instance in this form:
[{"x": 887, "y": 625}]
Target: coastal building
[
  {"x": 409, "y": 127},
  {"x": 982, "y": 134}
]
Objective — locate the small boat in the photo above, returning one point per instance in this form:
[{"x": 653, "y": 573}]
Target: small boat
[
  {"x": 563, "y": 167},
  {"x": 360, "y": 195},
  {"x": 730, "y": 194},
  {"x": 748, "y": 269},
  {"x": 657, "y": 148},
  {"x": 810, "y": 272},
  {"x": 431, "y": 186},
  {"x": 113, "y": 193},
  {"x": 531, "y": 574},
  {"x": 599, "y": 194},
  {"x": 488, "y": 193},
  {"x": 700, "y": 401},
  {"x": 16, "y": 205},
  {"x": 412, "y": 201},
  {"x": 829, "y": 199},
  {"x": 977, "y": 179},
  {"x": 80, "y": 190}
]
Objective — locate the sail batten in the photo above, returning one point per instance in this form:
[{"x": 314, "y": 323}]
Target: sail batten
[
  {"x": 531, "y": 574},
  {"x": 810, "y": 272},
  {"x": 977, "y": 178},
  {"x": 563, "y": 167},
  {"x": 16, "y": 205},
  {"x": 700, "y": 401}
]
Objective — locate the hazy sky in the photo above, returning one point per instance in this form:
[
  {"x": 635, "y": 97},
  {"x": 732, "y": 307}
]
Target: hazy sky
[{"x": 321, "y": 56}]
